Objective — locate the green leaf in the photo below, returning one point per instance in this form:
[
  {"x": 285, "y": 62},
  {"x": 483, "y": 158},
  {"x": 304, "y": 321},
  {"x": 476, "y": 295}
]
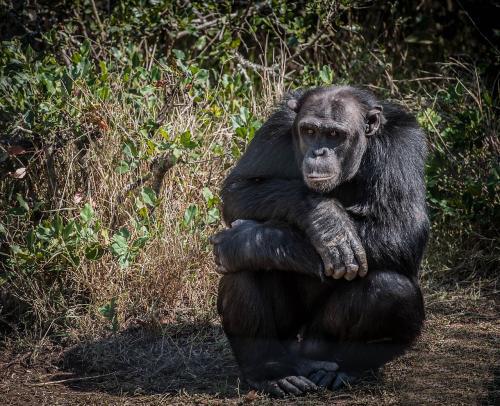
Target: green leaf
[
  {"x": 94, "y": 252},
  {"x": 68, "y": 230},
  {"x": 123, "y": 167},
  {"x": 326, "y": 75},
  {"x": 130, "y": 150},
  {"x": 85, "y": 48},
  {"x": 185, "y": 140},
  {"x": 235, "y": 151},
  {"x": 136, "y": 60},
  {"x": 87, "y": 213},
  {"x": 57, "y": 224},
  {"x": 104, "y": 70},
  {"x": 207, "y": 194},
  {"x": 149, "y": 196},
  {"x": 67, "y": 83},
  {"x": 164, "y": 133},
  {"x": 140, "y": 242},
  {"x": 202, "y": 77},
  {"x": 190, "y": 214},
  {"x": 22, "y": 203},
  {"x": 213, "y": 215},
  {"x": 109, "y": 312},
  {"x": 179, "y": 54},
  {"x": 119, "y": 246},
  {"x": 244, "y": 114},
  {"x": 103, "y": 92},
  {"x": 177, "y": 153}
]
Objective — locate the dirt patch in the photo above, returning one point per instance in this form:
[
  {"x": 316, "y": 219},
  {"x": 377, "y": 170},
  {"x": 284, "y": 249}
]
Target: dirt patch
[{"x": 456, "y": 361}]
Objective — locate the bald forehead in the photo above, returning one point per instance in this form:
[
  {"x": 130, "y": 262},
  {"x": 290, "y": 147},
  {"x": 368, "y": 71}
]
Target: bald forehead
[{"x": 335, "y": 104}]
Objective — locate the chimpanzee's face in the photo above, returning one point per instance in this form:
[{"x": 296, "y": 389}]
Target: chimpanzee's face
[{"x": 330, "y": 135}]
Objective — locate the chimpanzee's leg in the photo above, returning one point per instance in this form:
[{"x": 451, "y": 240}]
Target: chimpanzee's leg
[
  {"x": 260, "y": 312},
  {"x": 364, "y": 324}
]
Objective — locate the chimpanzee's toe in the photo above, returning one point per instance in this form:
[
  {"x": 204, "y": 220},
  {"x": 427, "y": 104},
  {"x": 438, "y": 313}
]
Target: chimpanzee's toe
[{"x": 289, "y": 385}]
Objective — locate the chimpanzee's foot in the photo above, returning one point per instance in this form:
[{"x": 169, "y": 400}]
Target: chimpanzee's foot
[
  {"x": 289, "y": 376},
  {"x": 325, "y": 374},
  {"x": 322, "y": 373},
  {"x": 288, "y": 385},
  {"x": 307, "y": 367},
  {"x": 342, "y": 380},
  {"x": 332, "y": 380}
]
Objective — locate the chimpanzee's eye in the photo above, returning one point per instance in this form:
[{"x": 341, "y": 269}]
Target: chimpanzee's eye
[
  {"x": 333, "y": 133},
  {"x": 310, "y": 131}
]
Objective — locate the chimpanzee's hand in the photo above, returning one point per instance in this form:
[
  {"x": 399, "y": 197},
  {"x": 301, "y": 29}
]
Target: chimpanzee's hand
[
  {"x": 335, "y": 238},
  {"x": 224, "y": 244}
]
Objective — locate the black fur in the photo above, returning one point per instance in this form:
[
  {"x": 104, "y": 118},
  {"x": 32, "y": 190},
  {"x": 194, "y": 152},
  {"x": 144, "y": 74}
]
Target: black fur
[{"x": 275, "y": 283}]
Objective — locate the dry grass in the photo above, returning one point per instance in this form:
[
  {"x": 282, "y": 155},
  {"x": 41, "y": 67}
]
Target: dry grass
[{"x": 172, "y": 278}]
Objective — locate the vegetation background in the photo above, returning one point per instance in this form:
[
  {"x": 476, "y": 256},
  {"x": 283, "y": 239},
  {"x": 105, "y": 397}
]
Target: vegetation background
[{"x": 120, "y": 118}]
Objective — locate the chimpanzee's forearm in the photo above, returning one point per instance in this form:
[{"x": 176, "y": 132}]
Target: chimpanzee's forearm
[
  {"x": 254, "y": 246},
  {"x": 323, "y": 219}
]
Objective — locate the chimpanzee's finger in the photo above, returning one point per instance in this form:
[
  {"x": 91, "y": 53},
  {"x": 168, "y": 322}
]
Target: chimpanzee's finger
[
  {"x": 288, "y": 387},
  {"x": 326, "y": 255},
  {"x": 338, "y": 266},
  {"x": 360, "y": 254},
  {"x": 349, "y": 261},
  {"x": 301, "y": 382},
  {"x": 327, "y": 380},
  {"x": 241, "y": 222}
]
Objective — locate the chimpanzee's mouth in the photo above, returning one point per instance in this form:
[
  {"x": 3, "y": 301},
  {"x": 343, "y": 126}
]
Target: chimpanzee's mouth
[{"x": 318, "y": 177}]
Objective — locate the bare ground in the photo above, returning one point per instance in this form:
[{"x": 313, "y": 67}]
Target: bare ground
[{"x": 456, "y": 362}]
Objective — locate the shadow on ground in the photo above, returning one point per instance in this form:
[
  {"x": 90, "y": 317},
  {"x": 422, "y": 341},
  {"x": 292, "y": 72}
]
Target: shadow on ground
[{"x": 192, "y": 358}]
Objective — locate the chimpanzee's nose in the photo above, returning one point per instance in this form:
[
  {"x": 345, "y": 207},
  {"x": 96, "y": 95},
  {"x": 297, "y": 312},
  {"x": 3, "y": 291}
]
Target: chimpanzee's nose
[{"x": 320, "y": 152}]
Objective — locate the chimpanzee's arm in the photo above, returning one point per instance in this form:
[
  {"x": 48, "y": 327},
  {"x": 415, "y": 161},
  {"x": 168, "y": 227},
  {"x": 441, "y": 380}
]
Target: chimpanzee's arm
[
  {"x": 255, "y": 246},
  {"x": 323, "y": 219}
]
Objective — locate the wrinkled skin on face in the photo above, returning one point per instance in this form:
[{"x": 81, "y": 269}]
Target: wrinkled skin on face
[{"x": 330, "y": 134}]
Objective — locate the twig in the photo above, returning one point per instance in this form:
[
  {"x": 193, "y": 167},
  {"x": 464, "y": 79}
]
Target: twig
[
  {"x": 203, "y": 26},
  {"x": 18, "y": 127},
  {"x": 83, "y": 378},
  {"x": 51, "y": 172},
  {"x": 96, "y": 15},
  {"x": 252, "y": 65},
  {"x": 306, "y": 46},
  {"x": 423, "y": 79}
]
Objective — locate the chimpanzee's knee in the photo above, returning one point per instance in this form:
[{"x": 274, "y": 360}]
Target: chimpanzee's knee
[
  {"x": 383, "y": 305},
  {"x": 257, "y": 304}
]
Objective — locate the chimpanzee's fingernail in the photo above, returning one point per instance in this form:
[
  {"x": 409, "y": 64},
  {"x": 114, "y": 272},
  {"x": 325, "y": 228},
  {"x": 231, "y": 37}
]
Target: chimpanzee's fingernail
[{"x": 339, "y": 273}]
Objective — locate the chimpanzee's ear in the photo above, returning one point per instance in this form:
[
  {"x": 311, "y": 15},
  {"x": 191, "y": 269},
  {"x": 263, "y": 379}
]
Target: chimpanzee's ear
[
  {"x": 374, "y": 120},
  {"x": 293, "y": 104}
]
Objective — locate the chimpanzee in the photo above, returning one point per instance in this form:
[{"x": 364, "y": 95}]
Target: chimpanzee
[{"x": 328, "y": 227}]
